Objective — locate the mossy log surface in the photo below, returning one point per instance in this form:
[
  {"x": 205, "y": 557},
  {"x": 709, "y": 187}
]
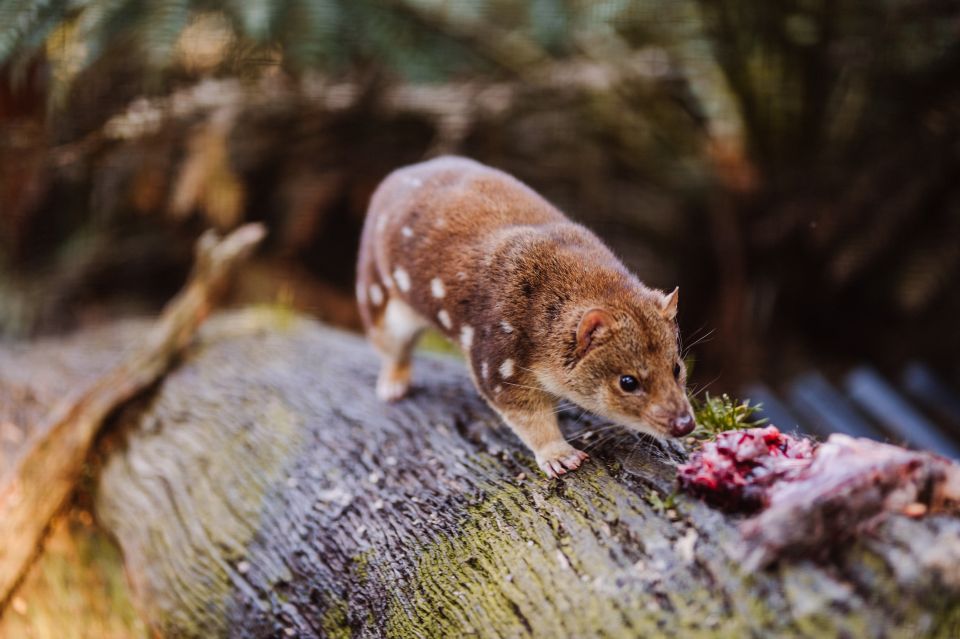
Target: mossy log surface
[{"x": 261, "y": 490}]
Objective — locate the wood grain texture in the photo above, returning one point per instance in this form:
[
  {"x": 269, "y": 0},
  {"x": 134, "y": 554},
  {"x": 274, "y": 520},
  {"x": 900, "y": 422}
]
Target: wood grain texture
[{"x": 263, "y": 491}]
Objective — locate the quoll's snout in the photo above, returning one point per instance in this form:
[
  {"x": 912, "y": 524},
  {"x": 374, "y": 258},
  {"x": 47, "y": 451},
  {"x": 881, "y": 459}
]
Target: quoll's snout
[{"x": 682, "y": 424}]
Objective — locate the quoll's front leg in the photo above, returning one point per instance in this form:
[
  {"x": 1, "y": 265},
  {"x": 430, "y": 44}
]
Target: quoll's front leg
[
  {"x": 539, "y": 431},
  {"x": 394, "y": 336}
]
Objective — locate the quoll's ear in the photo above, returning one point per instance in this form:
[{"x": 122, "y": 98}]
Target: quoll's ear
[
  {"x": 668, "y": 305},
  {"x": 594, "y": 326}
]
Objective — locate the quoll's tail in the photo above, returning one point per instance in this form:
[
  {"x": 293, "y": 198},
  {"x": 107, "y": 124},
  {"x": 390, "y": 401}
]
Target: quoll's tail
[{"x": 371, "y": 291}]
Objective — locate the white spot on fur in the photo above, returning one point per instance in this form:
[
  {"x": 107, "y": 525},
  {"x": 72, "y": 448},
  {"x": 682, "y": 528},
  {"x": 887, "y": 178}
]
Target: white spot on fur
[
  {"x": 437, "y": 288},
  {"x": 506, "y": 369},
  {"x": 407, "y": 231},
  {"x": 402, "y": 319},
  {"x": 376, "y": 294},
  {"x": 506, "y": 326},
  {"x": 444, "y": 318},
  {"x": 466, "y": 336},
  {"x": 498, "y": 388},
  {"x": 484, "y": 370},
  {"x": 461, "y": 275},
  {"x": 402, "y": 278}
]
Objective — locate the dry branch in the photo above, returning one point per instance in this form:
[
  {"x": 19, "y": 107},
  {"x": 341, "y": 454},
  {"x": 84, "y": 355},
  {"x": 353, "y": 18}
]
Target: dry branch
[{"x": 41, "y": 478}]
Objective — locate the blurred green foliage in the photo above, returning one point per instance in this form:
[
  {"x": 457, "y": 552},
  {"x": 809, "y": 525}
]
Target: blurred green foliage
[
  {"x": 786, "y": 80},
  {"x": 791, "y": 164}
]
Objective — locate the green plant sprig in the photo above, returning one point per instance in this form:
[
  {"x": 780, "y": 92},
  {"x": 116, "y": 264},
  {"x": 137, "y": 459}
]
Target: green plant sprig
[{"x": 716, "y": 415}]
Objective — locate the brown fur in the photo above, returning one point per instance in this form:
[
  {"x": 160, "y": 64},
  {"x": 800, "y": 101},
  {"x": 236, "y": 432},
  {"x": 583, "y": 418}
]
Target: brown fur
[{"x": 541, "y": 308}]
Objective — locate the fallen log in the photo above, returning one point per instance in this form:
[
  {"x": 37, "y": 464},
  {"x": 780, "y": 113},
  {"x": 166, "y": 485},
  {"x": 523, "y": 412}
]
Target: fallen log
[
  {"x": 262, "y": 491},
  {"x": 37, "y": 480}
]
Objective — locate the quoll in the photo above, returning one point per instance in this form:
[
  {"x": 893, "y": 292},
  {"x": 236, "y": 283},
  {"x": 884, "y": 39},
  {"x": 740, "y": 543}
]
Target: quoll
[{"x": 541, "y": 308}]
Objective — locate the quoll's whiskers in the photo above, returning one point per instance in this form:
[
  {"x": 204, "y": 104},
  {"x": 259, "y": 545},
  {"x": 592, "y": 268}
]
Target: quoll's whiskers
[
  {"x": 595, "y": 430},
  {"x": 702, "y": 339},
  {"x": 612, "y": 436},
  {"x": 605, "y": 433},
  {"x": 563, "y": 407},
  {"x": 695, "y": 390},
  {"x": 522, "y": 386},
  {"x": 654, "y": 447},
  {"x": 582, "y": 414},
  {"x": 700, "y": 388}
]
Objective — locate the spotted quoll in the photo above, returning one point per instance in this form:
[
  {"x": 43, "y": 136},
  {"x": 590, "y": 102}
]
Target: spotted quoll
[{"x": 542, "y": 310}]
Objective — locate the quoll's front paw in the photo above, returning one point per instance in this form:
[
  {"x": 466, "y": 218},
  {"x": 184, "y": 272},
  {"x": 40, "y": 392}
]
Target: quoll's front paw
[
  {"x": 392, "y": 386},
  {"x": 557, "y": 459}
]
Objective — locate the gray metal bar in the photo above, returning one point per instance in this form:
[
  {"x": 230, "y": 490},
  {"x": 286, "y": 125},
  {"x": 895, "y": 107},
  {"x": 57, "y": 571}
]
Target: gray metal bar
[
  {"x": 932, "y": 393},
  {"x": 882, "y": 402},
  {"x": 773, "y": 409},
  {"x": 826, "y": 410}
]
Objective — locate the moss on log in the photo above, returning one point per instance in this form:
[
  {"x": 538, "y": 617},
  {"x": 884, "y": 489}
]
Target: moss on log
[
  {"x": 262, "y": 491},
  {"x": 75, "y": 589}
]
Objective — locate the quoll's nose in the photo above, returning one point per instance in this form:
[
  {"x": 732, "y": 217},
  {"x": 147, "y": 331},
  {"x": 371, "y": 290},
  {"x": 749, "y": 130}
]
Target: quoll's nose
[{"x": 681, "y": 425}]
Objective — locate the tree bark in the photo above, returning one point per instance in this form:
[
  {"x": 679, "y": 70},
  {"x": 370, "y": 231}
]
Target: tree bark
[{"x": 263, "y": 491}]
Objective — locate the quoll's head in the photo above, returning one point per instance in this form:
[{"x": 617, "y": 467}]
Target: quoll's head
[{"x": 627, "y": 366}]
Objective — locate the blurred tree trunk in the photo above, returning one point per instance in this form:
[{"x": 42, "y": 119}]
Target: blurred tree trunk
[{"x": 262, "y": 491}]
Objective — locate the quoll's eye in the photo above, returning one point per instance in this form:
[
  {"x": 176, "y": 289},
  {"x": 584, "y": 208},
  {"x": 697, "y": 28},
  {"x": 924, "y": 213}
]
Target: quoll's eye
[
  {"x": 629, "y": 383},
  {"x": 676, "y": 371}
]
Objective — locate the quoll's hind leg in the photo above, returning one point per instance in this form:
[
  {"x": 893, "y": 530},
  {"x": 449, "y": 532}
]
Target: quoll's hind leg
[
  {"x": 539, "y": 431},
  {"x": 394, "y": 333}
]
